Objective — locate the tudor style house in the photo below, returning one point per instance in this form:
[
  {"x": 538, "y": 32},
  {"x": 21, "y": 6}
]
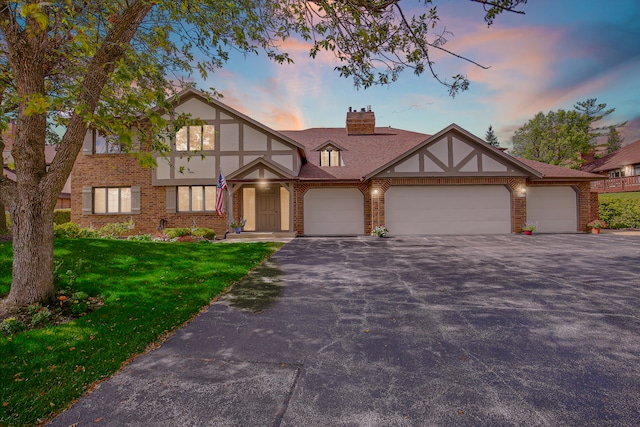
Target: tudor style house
[
  {"x": 621, "y": 168},
  {"x": 326, "y": 181}
]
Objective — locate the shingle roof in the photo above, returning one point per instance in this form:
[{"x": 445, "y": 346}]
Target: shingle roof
[
  {"x": 627, "y": 155},
  {"x": 361, "y": 154},
  {"x": 557, "y": 172}
]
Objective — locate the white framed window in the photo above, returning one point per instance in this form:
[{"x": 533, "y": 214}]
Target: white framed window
[
  {"x": 196, "y": 138},
  {"x": 112, "y": 200},
  {"x": 196, "y": 198},
  {"x": 330, "y": 157}
]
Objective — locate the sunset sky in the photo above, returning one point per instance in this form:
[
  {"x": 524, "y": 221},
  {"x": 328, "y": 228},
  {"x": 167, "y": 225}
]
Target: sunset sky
[{"x": 559, "y": 53}]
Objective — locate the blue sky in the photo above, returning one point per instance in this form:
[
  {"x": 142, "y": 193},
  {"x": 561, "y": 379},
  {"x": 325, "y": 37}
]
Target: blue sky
[{"x": 558, "y": 53}]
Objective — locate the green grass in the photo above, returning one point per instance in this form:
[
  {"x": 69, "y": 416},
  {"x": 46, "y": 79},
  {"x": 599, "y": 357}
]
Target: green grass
[{"x": 148, "y": 288}]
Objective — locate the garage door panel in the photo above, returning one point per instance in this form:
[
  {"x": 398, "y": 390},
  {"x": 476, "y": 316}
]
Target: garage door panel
[
  {"x": 555, "y": 209},
  {"x": 333, "y": 211},
  {"x": 466, "y": 209}
]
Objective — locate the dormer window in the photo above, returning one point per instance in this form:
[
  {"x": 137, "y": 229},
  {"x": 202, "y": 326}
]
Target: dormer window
[
  {"x": 195, "y": 138},
  {"x": 330, "y": 157}
]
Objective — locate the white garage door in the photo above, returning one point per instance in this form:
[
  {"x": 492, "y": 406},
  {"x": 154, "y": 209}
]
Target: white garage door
[
  {"x": 555, "y": 209},
  {"x": 333, "y": 212},
  {"x": 464, "y": 209}
]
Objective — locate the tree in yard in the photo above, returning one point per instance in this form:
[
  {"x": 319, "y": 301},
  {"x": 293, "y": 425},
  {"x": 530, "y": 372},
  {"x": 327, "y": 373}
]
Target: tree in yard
[
  {"x": 556, "y": 138},
  {"x": 107, "y": 64},
  {"x": 614, "y": 140},
  {"x": 596, "y": 112},
  {"x": 491, "y": 137}
]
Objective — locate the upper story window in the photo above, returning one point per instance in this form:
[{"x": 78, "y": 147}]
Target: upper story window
[
  {"x": 330, "y": 157},
  {"x": 195, "y": 138},
  {"x": 196, "y": 198},
  {"x": 112, "y": 200},
  {"x": 636, "y": 169},
  {"x": 103, "y": 144},
  {"x": 615, "y": 174}
]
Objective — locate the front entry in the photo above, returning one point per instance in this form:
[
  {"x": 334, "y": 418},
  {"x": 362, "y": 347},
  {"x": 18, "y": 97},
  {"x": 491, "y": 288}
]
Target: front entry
[{"x": 268, "y": 202}]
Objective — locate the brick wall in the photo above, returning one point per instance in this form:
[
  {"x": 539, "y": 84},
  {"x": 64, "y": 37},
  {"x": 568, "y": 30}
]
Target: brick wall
[
  {"x": 595, "y": 214},
  {"x": 122, "y": 170}
]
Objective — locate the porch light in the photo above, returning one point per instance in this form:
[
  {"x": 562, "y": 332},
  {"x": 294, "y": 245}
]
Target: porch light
[
  {"x": 375, "y": 191},
  {"x": 522, "y": 192}
]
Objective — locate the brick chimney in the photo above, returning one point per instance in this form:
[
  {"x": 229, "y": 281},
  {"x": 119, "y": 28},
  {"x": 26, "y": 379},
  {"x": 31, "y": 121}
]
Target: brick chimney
[
  {"x": 588, "y": 157},
  {"x": 361, "y": 122}
]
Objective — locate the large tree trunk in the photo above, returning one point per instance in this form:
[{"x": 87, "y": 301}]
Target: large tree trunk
[
  {"x": 32, "y": 251},
  {"x": 3, "y": 218}
]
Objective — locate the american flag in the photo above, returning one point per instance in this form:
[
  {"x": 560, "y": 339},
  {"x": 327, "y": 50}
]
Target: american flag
[{"x": 222, "y": 185}]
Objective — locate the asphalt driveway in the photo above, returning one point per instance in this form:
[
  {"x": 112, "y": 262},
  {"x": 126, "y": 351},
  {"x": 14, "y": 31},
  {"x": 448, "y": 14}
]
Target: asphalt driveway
[{"x": 539, "y": 330}]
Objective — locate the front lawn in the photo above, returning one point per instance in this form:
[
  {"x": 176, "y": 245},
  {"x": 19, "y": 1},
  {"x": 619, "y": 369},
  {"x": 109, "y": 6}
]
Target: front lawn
[{"x": 148, "y": 289}]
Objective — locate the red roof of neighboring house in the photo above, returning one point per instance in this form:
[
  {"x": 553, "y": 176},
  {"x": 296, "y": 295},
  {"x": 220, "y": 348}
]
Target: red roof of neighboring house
[
  {"x": 627, "y": 155},
  {"x": 361, "y": 153},
  {"x": 559, "y": 172}
]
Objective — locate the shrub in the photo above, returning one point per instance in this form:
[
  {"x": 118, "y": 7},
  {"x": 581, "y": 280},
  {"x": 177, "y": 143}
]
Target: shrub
[
  {"x": 172, "y": 233},
  {"x": 80, "y": 296},
  {"x": 620, "y": 213},
  {"x": 71, "y": 230},
  {"x": 114, "y": 229},
  {"x": 141, "y": 238},
  {"x": 11, "y": 325},
  {"x": 41, "y": 316},
  {"x": 34, "y": 308},
  {"x": 206, "y": 233},
  {"x": 79, "y": 307},
  {"x": 61, "y": 216}
]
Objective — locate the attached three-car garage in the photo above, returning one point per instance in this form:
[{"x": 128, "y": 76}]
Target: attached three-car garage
[{"x": 448, "y": 209}]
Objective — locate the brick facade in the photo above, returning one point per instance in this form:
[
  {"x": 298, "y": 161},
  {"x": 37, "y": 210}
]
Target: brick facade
[
  {"x": 117, "y": 170},
  {"x": 122, "y": 170}
]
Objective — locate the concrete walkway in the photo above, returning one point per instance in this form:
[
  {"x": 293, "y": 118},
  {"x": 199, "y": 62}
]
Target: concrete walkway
[{"x": 539, "y": 330}]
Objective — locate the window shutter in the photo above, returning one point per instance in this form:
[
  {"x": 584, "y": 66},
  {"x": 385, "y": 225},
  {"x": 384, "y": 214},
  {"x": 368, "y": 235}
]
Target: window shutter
[
  {"x": 87, "y": 200},
  {"x": 171, "y": 199},
  {"x": 135, "y": 200},
  {"x": 87, "y": 145}
]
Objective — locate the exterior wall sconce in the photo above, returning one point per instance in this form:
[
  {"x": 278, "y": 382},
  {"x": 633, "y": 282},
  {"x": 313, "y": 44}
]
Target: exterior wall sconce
[
  {"x": 522, "y": 192},
  {"x": 375, "y": 192}
]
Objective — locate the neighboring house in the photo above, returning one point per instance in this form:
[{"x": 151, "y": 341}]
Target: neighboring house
[
  {"x": 327, "y": 181},
  {"x": 622, "y": 169},
  {"x": 64, "y": 199}
]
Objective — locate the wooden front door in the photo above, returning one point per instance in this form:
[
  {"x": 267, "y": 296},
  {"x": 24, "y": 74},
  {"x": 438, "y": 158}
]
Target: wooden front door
[{"x": 268, "y": 202}]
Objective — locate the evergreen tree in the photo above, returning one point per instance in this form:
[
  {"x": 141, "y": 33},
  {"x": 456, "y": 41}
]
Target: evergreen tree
[
  {"x": 614, "y": 140},
  {"x": 491, "y": 137},
  {"x": 596, "y": 112}
]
